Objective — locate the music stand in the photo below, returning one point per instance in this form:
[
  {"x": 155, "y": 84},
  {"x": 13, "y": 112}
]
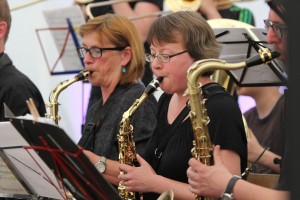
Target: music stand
[
  {"x": 72, "y": 168},
  {"x": 21, "y": 176},
  {"x": 238, "y": 44},
  {"x": 60, "y": 41}
]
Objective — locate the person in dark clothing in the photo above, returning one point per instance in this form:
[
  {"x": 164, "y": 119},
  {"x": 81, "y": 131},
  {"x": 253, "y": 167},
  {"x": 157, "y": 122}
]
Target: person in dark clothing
[
  {"x": 266, "y": 123},
  {"x": 113, "y": 53},
  {"x": 177, "y": 41},
  {"x": 15, "y": 87},
  {"x": 212, "y": 181}
]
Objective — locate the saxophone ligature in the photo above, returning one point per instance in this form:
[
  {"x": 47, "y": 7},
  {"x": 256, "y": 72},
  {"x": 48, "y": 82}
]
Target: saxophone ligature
[
  {"x": 53, "y": 97},
  {"x": 127, "y": 150},
  {"x": 203, "y": 148}
]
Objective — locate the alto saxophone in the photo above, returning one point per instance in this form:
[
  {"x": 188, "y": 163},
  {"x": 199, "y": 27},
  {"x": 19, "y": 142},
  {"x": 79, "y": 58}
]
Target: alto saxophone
[
  {"x": 53, "y": 104},
  {"x": 203, "y": 148},
  {"x": 127, "y": 150}
]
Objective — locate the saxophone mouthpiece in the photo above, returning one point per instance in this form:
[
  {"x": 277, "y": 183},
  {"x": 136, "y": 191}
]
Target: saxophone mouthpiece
[
  {"x": 153, "y": 85},
  {"x": 262, "y": 57},
  {"x": 82, "y": 75},
  {"x": 159, "y": 79}
]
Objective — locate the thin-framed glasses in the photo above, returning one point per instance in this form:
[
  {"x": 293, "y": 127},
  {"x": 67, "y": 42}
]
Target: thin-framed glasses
[
  {"x": 96, "y": 52},
  {"x": 277, "y": 28},
  {"x": 161, "y": 57}
]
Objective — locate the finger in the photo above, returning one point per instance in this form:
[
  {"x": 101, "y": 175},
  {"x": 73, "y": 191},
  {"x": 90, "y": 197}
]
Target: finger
[
  {"x": 123, "y": 177},
  {"x": 193, "y": 191},
  {"x": 217, "y": 155},
  {"x": 124, "y": 167},
  {"x": 140, "y": 159},
  {"x": 195, "y": 163},
  {"x": 189, "y": 171}
]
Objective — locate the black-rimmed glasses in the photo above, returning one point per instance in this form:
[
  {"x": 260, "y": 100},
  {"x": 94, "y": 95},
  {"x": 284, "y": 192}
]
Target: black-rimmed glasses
[
  {"x": 161, "y": 57},
  {"x": 96, "y": 52},
  {"x": 277, "y": 28}
]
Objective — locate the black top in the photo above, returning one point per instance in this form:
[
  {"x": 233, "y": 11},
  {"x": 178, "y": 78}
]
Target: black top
[
  {"x": 15, "y": 89},
  {"x": 96, "y": 11},
  {"x": 226, "y": 128},
  {"x": 103, "y": 141}
]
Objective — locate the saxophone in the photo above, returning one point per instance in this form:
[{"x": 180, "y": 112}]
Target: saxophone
[
  {"x": 127, "y": 150},
  {"x": 53, "y": 104},
  {"x": 203, "y": 148}
]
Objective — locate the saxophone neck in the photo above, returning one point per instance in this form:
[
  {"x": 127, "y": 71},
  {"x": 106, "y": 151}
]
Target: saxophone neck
[
  {"x": 63, "y": 85},
  {"x": 53, "y": 97}
]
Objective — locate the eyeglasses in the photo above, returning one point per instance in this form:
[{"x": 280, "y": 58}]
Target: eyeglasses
[
  {"x": 96, "y": 52},
  {"x": 277, "y": 28},
  {"x": 161, "y": 57}
]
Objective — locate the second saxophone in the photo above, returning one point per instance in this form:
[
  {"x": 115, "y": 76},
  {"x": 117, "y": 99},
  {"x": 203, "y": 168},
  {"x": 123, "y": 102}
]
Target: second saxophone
[
  {"x": 127, "y": 150},
  {"x": 203, "y": 148}
]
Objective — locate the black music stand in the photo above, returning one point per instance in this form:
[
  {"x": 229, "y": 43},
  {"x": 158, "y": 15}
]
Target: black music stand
[
  {"x": 23, "y": 175},
  {"x": 72, "y": 168},
  {"x": 238, "y": 44}
]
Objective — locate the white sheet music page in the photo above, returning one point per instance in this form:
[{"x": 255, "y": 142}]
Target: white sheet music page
[{"x": 58, "y": 19}]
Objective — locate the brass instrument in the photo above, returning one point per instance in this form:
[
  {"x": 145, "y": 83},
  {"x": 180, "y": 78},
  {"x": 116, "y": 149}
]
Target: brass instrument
[
  {"x": 202, "y": 149},
  {"x": 53, "y": 104},
  {"x": 26, "y": 4},
  {"x": 166, "y": 195},
  {"x": 127, "y": 150},
  {"x": 173, "y": 5}
]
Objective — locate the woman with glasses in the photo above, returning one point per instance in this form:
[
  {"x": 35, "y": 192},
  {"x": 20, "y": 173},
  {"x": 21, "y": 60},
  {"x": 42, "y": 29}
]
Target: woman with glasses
[
  {"x": 176, "y": 41},
  {"x": 113, "y": 53}
]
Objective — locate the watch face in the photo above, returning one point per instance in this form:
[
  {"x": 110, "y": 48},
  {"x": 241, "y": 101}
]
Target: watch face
[
  {"x": 101, "y": 167},
  {"x": 226, "y": 196}
]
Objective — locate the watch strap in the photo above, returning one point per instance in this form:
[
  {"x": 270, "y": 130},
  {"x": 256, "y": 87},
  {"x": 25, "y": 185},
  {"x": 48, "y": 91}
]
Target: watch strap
[
  {"x": 231, "y": 183},
  {"x": 102, "y": 159}
]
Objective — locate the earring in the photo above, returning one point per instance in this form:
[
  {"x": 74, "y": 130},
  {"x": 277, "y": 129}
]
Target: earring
[{"x": 123, "y": 70}]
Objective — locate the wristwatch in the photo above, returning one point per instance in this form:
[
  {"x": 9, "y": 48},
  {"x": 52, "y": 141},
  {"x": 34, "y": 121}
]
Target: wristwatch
[
  {"x": 100, "y": 165},
  {"x": 228, "y": 194}
]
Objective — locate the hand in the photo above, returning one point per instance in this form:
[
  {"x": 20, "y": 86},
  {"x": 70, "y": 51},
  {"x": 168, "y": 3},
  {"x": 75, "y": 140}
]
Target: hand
[
  {"x": 208, "y": 181},
  {"x": 209, "y": 9},
  {"x": 138, "y": 179},
  {"x": 254, "y": 148}
]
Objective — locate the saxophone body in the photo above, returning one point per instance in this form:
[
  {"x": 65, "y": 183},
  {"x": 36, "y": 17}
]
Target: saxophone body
[
  {"x": 53, "y": 97},
  {"x": 126, "y": 144},
  {"x": 203, "y": 148}
]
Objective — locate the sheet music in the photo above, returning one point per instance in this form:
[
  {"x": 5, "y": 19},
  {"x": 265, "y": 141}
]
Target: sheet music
[
  {"x": 23, "y": 168},
  {"x": 235, "y": 48},
  {"x": 58, "y": 19},
  {"x": 9, "y": 184}
]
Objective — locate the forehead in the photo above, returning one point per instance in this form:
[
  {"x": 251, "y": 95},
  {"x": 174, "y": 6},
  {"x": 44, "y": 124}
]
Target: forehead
[
  {"x": 94, "y": 38},
  {"x": 275, "y": 18},
  {"x": 177, "y": 40}
]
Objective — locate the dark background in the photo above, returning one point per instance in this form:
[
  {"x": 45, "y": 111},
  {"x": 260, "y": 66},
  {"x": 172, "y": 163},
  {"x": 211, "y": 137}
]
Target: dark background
[{"x": 293, "y": 101}]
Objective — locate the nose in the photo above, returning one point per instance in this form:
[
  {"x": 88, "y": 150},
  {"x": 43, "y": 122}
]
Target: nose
[
  {"x": 156, "y": 64},
  {"x": 87, "y": 58},
  {"x": 272, "y": 38}
]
